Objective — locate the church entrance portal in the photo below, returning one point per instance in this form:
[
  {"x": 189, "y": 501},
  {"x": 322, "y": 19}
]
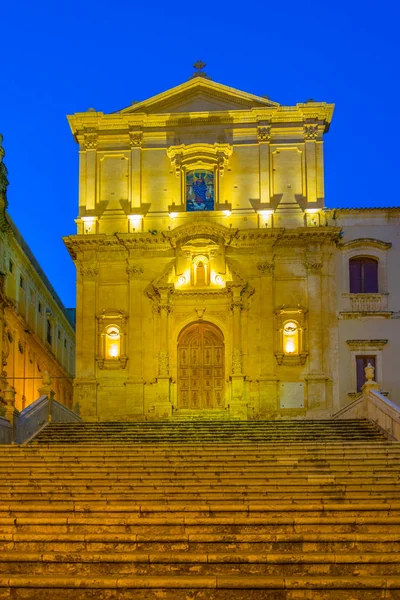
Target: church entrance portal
[{"x": 201, "y": 367}]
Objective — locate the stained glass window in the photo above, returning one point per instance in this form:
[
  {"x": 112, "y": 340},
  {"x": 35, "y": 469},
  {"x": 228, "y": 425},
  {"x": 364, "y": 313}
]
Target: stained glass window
[{"x": 199, "y": 190}]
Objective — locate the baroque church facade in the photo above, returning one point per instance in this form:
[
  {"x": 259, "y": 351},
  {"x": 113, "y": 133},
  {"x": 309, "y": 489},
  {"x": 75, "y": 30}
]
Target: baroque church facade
[{"x": 211, "y": 278}]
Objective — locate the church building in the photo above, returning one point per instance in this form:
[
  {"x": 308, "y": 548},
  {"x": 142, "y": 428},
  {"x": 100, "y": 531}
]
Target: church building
[{"x": 211, "y": 279}]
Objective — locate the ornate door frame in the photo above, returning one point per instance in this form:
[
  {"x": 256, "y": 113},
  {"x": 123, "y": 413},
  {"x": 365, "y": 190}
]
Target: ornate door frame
[{"x": 201, "y": 371}]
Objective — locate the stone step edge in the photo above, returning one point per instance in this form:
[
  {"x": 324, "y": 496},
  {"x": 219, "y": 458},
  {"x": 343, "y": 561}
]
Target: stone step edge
[
  {"x": 231, "y": 582},
  {"x": 187, "y": 521},
  {"x": 203, "y": 507},
  {"x": 235, "y": 557},
  {"x": 200, "y": 538}
]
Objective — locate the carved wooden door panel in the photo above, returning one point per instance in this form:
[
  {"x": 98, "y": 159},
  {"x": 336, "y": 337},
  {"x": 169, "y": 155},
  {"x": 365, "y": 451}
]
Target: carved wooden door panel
[{"x": 201, "y": 367}]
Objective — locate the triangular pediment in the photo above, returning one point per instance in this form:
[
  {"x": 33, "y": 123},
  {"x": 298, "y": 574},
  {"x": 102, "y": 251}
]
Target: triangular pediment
[{"x": 199, "y": 95}]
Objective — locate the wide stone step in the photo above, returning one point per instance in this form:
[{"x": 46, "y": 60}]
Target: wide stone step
[
  {"x": 220, "y": 587},
  {"x": 89, "y": 564},
  {"x": 200, "y": 542}
]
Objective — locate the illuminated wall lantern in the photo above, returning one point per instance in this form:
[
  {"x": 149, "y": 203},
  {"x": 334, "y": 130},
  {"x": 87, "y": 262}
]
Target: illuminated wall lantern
[
  {"x": 89, "y": 225},
  {"x": 290, "y": 335},
  {"x": 113, "y": 342},
  {"x": 291, "y": 338},
  {"x": 173, "y": 215},
  {"x": 112, "y": 335},
  {"x": 265, "y": 218},
  {"x": 312, "y": 217},
  {"x": 135, "y": 222}
]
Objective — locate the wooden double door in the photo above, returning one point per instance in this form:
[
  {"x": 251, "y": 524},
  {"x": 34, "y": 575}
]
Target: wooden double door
[{"x": 201, "y": 356}]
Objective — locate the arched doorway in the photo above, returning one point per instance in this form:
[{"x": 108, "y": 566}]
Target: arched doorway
[{"x": 201, "y": 367}]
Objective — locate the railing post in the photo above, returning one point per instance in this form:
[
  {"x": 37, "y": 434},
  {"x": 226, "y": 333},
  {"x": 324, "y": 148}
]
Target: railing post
[
  {"x": 370, "y": 383},
  {"x": 11, "y": 413},
  {"x": 46, "y": 390}
]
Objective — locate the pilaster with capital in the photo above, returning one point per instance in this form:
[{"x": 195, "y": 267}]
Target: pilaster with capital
[
  {"x": 264, "y": 138},
  {"x": 163, "y": 308},
  {"x": 134, "y": 384},
  {"x": 316, "y": 378},
  {"x": 89, "y": 168},
  {"x": 86, "y": 323},
  {"x": 311, "y": 136},
  {"x": 135, "y": 172},
  {"x": 237, "y": 353},
  {"x": 267, "y": 379}
]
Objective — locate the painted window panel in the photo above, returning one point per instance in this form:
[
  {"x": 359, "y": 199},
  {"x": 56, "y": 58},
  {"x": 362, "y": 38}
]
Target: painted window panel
[
  {"x": 199, "y": 190},
  {"x": 363, "y": 275}
]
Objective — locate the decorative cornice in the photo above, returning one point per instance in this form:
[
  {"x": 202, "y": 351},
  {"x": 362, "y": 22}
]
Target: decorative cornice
[
  {"x": 366, "y": 344},
  {"x": 381, "y": 314},
  {"x": 200, "y": 229},
  {"x": 365, "y": 243},
  {"x": 210, "y": 155}
]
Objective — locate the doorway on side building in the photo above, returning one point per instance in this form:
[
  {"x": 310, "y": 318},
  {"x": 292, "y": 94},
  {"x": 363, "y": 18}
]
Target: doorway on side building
[{"x": 201, "y": 355}]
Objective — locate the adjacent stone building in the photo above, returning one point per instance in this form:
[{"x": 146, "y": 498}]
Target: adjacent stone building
[
  {"x": 36, "y": 331},
  {"x": 210, "y": 275}
]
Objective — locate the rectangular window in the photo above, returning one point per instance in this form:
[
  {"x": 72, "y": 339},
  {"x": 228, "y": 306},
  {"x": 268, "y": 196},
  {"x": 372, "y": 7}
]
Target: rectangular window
[
  {"x": 49, "y": 339},
  {"x": 21, "y": 282},
  {"x": 361, "y": 363},
  {"x": 10, "y": 265},
  {"x": 65, "y": 342},
  {"x": 39, "y": 307},
  {"x": 59, "y": 334}
]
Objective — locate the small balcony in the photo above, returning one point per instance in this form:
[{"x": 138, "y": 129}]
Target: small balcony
[{"x": 355, "y": 305}]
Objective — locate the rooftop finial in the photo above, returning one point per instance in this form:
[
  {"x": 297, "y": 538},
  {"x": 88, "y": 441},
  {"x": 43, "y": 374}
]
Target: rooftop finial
[{"x": 199, "y": 65}]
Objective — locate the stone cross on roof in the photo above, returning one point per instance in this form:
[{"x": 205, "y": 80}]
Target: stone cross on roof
[{"x": 199, "y": 65}]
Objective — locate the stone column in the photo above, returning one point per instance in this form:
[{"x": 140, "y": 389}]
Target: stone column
[
  {"x": 134, "y": 383},
  {"x": 264, "y": 137},
  {"x": 267, "y": 379},
  {"x": 316, "y": 378},
  {"x": 135, "y": 140},
  {"x": 86, "y": 341}
]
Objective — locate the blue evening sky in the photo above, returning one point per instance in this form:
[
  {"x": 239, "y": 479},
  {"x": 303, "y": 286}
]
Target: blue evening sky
[{"x": 62, "y": 57}]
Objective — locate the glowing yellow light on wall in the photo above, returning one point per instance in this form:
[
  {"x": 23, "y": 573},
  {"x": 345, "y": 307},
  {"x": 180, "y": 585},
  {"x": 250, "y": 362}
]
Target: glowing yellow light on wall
[
  {"x": 227, "y": 213},
  {"x": 89, "y": 224},
  {"x": 135, "y": 221},
  {"x": 113, "y": 342},
  {"x": 173, "y": 215},
  {"x": 291, "y": 338}
]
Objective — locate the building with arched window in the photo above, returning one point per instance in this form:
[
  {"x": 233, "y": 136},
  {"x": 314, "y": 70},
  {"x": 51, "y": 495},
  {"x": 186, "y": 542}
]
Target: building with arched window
[{"x": 211, "y": 276}]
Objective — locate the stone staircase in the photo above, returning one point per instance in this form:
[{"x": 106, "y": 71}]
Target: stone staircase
[{"x": 279, "y": 510}]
